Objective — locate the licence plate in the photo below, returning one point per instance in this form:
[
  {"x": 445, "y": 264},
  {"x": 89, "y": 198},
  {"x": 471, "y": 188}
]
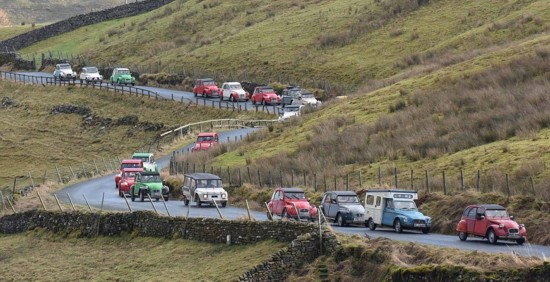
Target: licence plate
[
  {"x": 359, "y": 219},
  {"x": 513, "y": 236},
  {"x": 419, "y": 225}
]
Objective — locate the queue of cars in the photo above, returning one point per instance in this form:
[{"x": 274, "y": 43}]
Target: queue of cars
[{"x": 89, "y": 74}]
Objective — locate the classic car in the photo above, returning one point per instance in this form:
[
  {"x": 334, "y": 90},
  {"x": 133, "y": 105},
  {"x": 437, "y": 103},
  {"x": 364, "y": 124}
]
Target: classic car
[
  {"x": 291, "y": 203},
  {"x": 203, "y": 188},
  {"x": 343, "y": 207}
]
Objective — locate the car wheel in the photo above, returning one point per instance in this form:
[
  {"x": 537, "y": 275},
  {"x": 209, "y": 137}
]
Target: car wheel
[
  {"x": 263, "y": 102},
  {"x": 462, "y": 236},
  {"x": 199, "y": 203},
  {"x": 284, "y": 214},
  {"x": 166, "y": 198},
  {"x": 221, "y": 97},
  {"x": 142, "y": 197},
  {"x": 492, "y": 237},
  {"x": 204, "y": 94},
  {"x": 372, "y": 225},
  {"x": 234, "y": 99},
  {"x": 120, "y": 194},
  {"x": 341, "y": 222},
  {"x": 133, "y": 197},
  {"x": 397, "y": 226},
  {"x": 157, "y": 199},
  {"x": 426, "y": 230},
  {"x": 269, "y": 217},
  {"x": 186, "y": 201},
  {"x": 224, "y": 204},
  {"x": 520, "y": 241}
]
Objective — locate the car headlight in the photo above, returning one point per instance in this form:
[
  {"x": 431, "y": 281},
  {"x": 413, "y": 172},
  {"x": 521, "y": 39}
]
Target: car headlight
[
  {"x": 205, "y": 196},
  {"x": 405, "y": 219},
  {"x": 166, "y": 188},
  {"x": 224, "y": 196},
  {"x": 501, "y": 226},
  {"x": 521, "y": 226},
  {"x": 428, "y": 219}
]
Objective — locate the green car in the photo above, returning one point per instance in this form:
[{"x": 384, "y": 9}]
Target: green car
[
  {"x": 122, "y": 76},
  {"x": 148, "y": 159},
  {"x": 149, "y": 184}
]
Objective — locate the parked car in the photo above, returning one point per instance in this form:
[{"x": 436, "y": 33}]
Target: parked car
[
  {"x": 307, "y": 98},
  {"x": 149, "y": 184},
  {"x": 90, "y": 74},
  {"x": 64, "y": 72},
  {"x": 203, "y": 188},
  {"x": 122, "y": 76},
  {"x": 396, "y": 209},
  {"x": 205, "y": 141},
  {"x": 291, "y": 203},
  {"x": 491, "y": 222},
  {"x": 148, "y": 159},
  {"x": 233, "y": 91},
  {"x": 289, "y": 94},
  {"x": 343, "y": 207},
  {"x": 265, "y": 95},
  {"x": 206, "y": 87},
  {"x": 127, "y": 163},
  {"x": 127, "y": 180},
  {"x": 290, "y": 111}
]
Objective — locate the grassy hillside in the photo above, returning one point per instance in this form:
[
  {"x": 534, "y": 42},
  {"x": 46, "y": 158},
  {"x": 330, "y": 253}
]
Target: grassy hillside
[
  {"x": 347, "y": 43},
  {"x": 29, "y": 256},
  {"x": 35, "y": 139}
]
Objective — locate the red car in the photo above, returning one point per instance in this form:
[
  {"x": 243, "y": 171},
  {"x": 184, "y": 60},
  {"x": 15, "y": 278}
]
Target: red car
[
  {"x": 206, "y": 87},
  {"x": 127, "y": 180},
  {"x": 491, "y": 222},
  {"x": 291, "y": 203},
  {"x": 206, "y": 140},
  {"x": 127, "y": 163},
  {"x": 265, "y": 95}
]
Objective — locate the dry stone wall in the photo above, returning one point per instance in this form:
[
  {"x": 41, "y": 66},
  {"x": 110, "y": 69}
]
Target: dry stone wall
[{"x": 26, "y": 39}]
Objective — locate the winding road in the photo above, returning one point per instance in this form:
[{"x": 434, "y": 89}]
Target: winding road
[{"x": 94, "y": 189}]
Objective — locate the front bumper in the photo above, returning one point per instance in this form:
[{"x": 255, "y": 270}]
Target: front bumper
[
  {"x": 353, "y": 218},
  {"x": 416, "y": 224}
]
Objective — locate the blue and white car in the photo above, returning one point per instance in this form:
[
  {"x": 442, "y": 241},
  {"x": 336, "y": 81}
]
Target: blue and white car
[
  {"x": 64, "y": 72},
  {"x": 396, "y": 209}
]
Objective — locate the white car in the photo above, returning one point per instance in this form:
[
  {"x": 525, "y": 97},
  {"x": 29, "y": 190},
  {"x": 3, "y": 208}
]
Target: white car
[
  {"x": 290, "y": 111},
  {"x": 90, "y": 74},
  {"x": 309, "y": 99},
  {"x": 233, "y": 91},
  {"x": 64, "y": 72}
]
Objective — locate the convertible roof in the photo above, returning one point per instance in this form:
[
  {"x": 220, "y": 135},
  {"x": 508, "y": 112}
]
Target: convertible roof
[
  {"x": 344, "y": 193},
  {"x": 131, "y": 161},
  {"x": 207, "y": 134},
  {"x": 200, "y": 175},
  {"x": 141, "y": 154},
  {"x": 150, "y": 173},
  {"x": 133, "y": 169},
  {"x": 295, "y": 190},
  {"x": 492, "y": 207}
]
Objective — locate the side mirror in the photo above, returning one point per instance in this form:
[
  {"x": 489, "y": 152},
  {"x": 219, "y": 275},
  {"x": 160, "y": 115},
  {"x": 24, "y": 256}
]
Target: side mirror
[
  {"x": 333, "y": 201},
  {"x": 512, "y": 217},
  {"x": 480, "y": 216},
  {"x": 308, "y": 199}
]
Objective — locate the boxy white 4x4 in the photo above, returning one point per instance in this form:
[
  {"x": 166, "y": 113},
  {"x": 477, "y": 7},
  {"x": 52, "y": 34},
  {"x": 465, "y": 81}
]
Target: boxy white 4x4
[{"x": 203, "y": 188}]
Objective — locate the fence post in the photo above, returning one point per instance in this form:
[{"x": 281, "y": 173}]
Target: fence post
[
  {"x": 229, "y": 175},
  {"x": 250, "y": 178},
  {"x": 41, "y": 201},
  {"x": 379, "y": 176},
  {"x": 325, "y": 180},
  {"x": 305, "y": 180},
  {"x": 427, "y": 181},
  {"x": 315, "y": 182},
  {"x": 32, "y": 181},
  {"x": 292, "y": 179},
  {"x": 58, "y": 174},
  {"x": 71, "y": 201},
  {"x": 507, "y": 186},
  {"x": 412, "y": 179},
  {"x": 444, "y": 184},
  {"x": 532, "y": 185},
  {"x": 58, "y": 203},
  {"x": 347, "y": 182},
  {"x": 270, "y": 179},
  {"x": 395, "y": 176},
  {"x": 281, "y": 176},
  {"x": 96, "y": 169},
  {"x": 240, "y": 177},
  {"x": 360, "y": 181},
  {"x": 72, "y": 172},
  {"x": 462, "y": 179},
  {"x": 259, "y": 178},
  {"x": 334, "y": 183},
  {"x": 478, "y": 180}
]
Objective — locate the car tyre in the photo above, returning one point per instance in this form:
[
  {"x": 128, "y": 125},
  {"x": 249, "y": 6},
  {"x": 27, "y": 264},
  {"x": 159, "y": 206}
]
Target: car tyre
[
  {"x": 186, "y": 201},
  {"x": 397, "y": 226},
  {"x": 520, "y": 241},
  {"x": 120, "y": 194},
  {"x": 371, "y": 224},
  {"x": 224, "y": 204},
  {"x": 199, "y": 203},
  {"x": 221, "y": 97},
  {"x": 142, "y": 197},
  {"x": 341, "y": 222},
  {"x": 462, "y": 236},
  {"x": 284, "y": 214},
  {"x": 492, "y": 237},
  {"x": 269, "y": 217},
  {"x": 166, "y": 198}
]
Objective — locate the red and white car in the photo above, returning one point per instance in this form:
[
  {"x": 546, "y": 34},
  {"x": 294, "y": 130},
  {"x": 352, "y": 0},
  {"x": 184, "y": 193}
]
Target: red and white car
[
  {"x": 265, "y": 95},
  {"x": 233, "y": 91},
  {"x": 206, "y": 87},
  {"x": 491, "y": 222},
  {"x": 127, "y": 163},
  {"x": 127, "y": 180}
]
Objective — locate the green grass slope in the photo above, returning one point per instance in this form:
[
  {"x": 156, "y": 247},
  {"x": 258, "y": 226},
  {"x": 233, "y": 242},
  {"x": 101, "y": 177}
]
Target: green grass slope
[
  {"x": 347, "y": 43},
  {"x": 29, "y": 256},
  {"x": 35, "y": 140}
]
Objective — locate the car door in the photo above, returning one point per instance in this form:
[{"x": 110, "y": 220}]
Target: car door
[
  {"x": 377, "y": 218},
  {"x": 279, "y": 202},
  {"x": 481, "y": 222},
  {"x": 333, "y": 209},
  {"x": 471, "y": 220},
  {"x": 226, "y": 91},
  {"x": 325, "y": 204},
  {"x": 389, "y": 212}
]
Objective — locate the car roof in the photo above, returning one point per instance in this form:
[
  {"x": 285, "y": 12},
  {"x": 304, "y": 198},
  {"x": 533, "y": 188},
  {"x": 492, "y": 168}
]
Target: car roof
[
  {"x": 207, "y": 134},
  {"x": 293, "y": 106},
  {"x": 343, "y": 193},
  {"x": 142, "y": 154},
  {"x": 132, "y": 169},
  {"x": 292, "y": 190},
  {"x": 205, "y": 79},
  {"x": 490, "y": 206},
  {"x": 131, "y": 161},
  {"x": 150, "y": 173},
  {"x": 121, "y": 69},
  {"x": 202, "y": 175},
  {"x": 232, "y": 83},
  {"x": 391, "y": 190}
]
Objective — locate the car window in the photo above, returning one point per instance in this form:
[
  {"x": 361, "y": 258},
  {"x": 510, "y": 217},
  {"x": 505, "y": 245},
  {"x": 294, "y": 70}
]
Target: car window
[
  {"x": 404, "y": 205},
  {"x": 347, "y": 199},
  {"x": 472, "y": 213},
  {"x": 236, "y": 87},
  {"x": 295, "y": 195},
  {"x": 389, "y": 203},
  {"x": 327, "y": 199},
  {"x": 370, "y": 199},
  {"x": 378, "y": 201},
  {"x": 496, "y": 213},
  {"x": 187, "y": 182}
]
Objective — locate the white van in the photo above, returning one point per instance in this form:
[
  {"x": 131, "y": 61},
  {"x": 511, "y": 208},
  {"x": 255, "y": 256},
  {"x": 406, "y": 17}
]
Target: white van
[{"x": 396, "y": 209}]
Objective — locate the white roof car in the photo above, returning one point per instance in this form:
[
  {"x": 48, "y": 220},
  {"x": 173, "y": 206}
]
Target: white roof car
[
  {"x": 64, "y": 71},
  {"x": 233, "y": 91}
]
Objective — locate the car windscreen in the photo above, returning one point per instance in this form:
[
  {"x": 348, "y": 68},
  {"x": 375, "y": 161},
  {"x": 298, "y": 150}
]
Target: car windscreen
[
  {"x": 347, "y": 199},
  {"x": 295, "y": 195},
  {"x": 308, "y": 95},
  {"x": 208, "y": 82},
  {"x": 129, "y": 175},
  {"x": 235, "y": 86},
  {"x": 405, "y": 205},
  {"x": 152, "y": 178},
  {"x": 123, "y": 72},
  {"x": 291, "y": 109},
  {"x": 209, "y": 183},
  {"x": 144, "y": 159},
  {"x": 91, "y": 70},
  {"x": 65, "y": 67},
  {"x": 130, "y": 165},
  {"x": 266, "y": 90},
  {"x": 205, "y": 138},
  {"x": 496, "y": 213}
]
